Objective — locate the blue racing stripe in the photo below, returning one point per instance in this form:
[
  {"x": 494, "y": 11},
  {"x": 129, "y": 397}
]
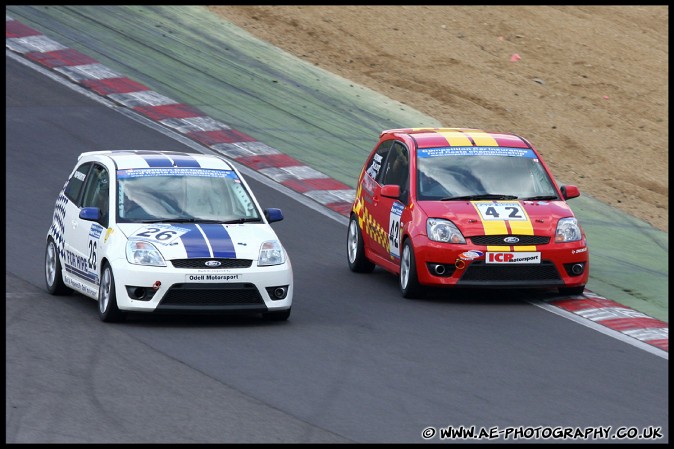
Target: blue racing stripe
[
  {"x": 184, "y": 161},
  {"x": 194, "y": 242},
  {"x": 157, "y": 160},
  {"x": 220, "y": 241}
]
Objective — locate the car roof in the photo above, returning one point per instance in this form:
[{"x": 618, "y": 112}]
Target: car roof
[
  {"x": 459, "y": 137},
  {"x": 127, "y": 159}
]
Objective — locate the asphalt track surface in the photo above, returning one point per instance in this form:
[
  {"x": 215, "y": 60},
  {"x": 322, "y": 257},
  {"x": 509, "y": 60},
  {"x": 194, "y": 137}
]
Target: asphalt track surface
[{"x": 355, "y": 363}]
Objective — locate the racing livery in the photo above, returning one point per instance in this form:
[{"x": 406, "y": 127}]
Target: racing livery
[
  {"x": 459, "y": 207},
  {"x": 159, "y": 231}
]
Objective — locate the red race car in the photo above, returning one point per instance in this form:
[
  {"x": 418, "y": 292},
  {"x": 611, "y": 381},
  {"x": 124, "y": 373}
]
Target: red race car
[{"x": 465, "y": 208}]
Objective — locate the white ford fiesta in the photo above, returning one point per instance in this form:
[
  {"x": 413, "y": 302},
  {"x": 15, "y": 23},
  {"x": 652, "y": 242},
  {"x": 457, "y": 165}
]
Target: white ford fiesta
[{"x": 162, "y": 231}]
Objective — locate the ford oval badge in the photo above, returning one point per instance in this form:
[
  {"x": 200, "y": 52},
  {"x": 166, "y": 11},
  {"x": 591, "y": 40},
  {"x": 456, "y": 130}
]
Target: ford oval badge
[
  {"x": 212, "y": 263},
  {"x": 511, "y": 240}
]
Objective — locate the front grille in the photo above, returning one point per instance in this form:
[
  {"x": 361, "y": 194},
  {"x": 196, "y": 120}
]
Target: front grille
[
  {"x": 212, "y": 295},
  {"x": 481, "y": 273},
  {"x": 485, "y": 240},
  {"x": 200, "y": 263}
]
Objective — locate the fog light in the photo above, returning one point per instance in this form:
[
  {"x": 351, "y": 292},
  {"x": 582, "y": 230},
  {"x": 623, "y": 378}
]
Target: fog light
[{"x": 279, "y": 292}]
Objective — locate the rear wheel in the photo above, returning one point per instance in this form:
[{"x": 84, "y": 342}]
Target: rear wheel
[
  {"x": 107, "y": 298},
  {"x": 409, "y": 281},
  {"x": 572, "y": 291},
  {"x": 355, "y": 249},
  {"x": 52, "y": 270}
]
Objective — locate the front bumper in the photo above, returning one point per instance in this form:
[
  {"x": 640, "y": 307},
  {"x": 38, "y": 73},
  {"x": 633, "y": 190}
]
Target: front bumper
[
  {"x": 170, "y": 289},
  {"x": 465, "y": 265}
]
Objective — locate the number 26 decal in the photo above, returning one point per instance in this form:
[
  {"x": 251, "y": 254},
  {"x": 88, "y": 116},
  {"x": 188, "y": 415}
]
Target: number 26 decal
[{"x": 164, "y": 234}]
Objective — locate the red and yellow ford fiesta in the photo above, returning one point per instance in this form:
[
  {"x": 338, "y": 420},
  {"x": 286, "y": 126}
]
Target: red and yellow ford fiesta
[{"x": 459, "y": 207}]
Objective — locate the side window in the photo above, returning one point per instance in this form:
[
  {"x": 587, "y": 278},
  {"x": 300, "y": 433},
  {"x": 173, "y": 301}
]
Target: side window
[
  {"x": 97, "y": 192},
  {"x": 374, "y": 165},
  {"x": 396, "y": 169},
  {"x": 75, "y": 183}
]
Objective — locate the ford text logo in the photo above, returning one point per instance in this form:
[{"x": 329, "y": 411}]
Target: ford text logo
[
  {"x": 212, "y": 263},
  {"x": 511, "y": 240}
]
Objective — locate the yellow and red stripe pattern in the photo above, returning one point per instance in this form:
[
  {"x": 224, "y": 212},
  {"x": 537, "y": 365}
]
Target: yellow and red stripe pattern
[
  {"x": 461, "y": 137},
  {"x": 506, "y": 227}
]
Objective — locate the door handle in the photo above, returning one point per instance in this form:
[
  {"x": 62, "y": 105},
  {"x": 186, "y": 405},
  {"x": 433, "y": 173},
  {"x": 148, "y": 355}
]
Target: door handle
[{"x": 74, "y": 223}]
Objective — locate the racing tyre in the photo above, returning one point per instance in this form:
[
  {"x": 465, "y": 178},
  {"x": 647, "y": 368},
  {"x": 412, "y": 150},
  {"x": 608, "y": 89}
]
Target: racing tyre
[
  {"x": 409, "y": 281},
  {"x": 107, "y": 298},
  {"x": 280, "y": 315},
  {"x": 52, "y": 270},
  {"x": 354, "y": 249},
  {"x": 571, "y": 291}
]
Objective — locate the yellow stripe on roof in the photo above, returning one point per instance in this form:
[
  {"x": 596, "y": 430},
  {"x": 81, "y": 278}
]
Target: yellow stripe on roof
[
  {"x": 482, "y": 139},
  {"x": 456, "y": 139}
]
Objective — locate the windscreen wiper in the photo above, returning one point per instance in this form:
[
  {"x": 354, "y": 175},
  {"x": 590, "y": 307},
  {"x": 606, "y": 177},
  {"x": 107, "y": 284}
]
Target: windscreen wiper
[
  {"x": 541, "y": 197},
  {"x": 484, "y": 196},
  {"x": 241, "y": 220}
]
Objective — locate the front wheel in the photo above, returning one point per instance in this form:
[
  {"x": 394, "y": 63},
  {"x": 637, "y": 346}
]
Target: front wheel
[
  {"x": 107, "y": 298},
  {"x": 52, "y": 270},
  {"x": 355, "y": 249},
  {"x": 409, "y": 281}
]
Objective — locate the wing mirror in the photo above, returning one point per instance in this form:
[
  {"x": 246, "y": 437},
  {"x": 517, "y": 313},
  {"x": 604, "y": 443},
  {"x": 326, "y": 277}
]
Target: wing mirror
[
  {"x": 391, "y": 191},
  {"x": 273, "y": 214},
  {"x": 569, "y": 192},
  {"x": 90, "y": 213}
]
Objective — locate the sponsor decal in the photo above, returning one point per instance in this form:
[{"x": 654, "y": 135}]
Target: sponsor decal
[
  {"x": 76, "y": 285},
  {"x": 374, "y": 168},
  {"x": 470, "y": 255},
  {"x": 79, "y": 266},
  {"x": 95, "y": 231},
  {"x": 171, "y": 171},
  {"x": 513, "y": 257},
  {"x": 211, "y": 277},
  {"x": 108, "y": 233},
  {"x": 475, "y": 151},
  {"x": 577, "y": 251}
]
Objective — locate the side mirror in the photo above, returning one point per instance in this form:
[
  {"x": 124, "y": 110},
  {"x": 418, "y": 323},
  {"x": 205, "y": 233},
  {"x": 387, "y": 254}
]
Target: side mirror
[
  {"x": 273, "y": 214},
  {"x": 569, "y": 192},
  {"x": 90, "y": 213},
  {"x": 391, "y": 191}
]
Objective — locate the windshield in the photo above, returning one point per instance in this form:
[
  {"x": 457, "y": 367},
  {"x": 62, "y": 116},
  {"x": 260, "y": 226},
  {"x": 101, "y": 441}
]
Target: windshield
[
  {"x": 453, "y": 173},
  {"x": 183, "y": 194}
]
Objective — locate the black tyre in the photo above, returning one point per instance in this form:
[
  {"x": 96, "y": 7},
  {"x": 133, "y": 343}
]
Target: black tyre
[
  {"x": 355, "y": 251},
  {"x": 409, "y": 281},
  {"x": 571, "y": 291},
  {"x": 52, "y": 270},
  {"x": 107, "y": 298},
  {"x": 280, "y": 315}
]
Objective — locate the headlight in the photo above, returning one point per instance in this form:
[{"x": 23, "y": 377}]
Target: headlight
[
  {"x": 441, "y": 230},
  {"x": 139, "y": 252},
  {"x": 567, "y": 231},
  {"x": 271, "y": 253}
]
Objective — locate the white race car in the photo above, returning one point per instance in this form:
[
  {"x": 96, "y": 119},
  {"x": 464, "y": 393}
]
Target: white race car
[{"x": 162, "y": 231}]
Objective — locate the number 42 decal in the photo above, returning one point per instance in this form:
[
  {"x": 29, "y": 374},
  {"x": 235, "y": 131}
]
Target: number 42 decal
[
  {"x": 394, "y": 229},
  {"x": 500, "y": 211}
]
